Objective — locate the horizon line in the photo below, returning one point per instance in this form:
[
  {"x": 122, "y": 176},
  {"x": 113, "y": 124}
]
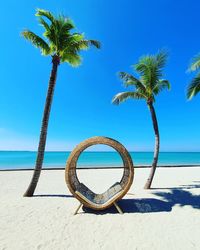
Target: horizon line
[{"x": 101, "y": 151}]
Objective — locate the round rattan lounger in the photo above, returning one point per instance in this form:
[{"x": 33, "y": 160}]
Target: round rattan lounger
[{"x": 115, "y": 192}]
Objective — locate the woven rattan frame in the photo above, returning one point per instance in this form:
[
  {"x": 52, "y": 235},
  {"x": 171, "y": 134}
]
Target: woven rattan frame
[{"x": 73, "y": 181}]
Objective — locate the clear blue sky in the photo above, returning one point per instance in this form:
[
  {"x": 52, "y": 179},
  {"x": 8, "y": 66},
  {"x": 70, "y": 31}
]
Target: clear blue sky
[{"x": 82, "y": 102}]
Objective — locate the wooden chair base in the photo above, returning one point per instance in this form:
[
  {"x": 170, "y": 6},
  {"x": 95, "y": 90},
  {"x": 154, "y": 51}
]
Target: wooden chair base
[
  {"x": 119, "y": 210},
  {"x": 79, "y": 206}
]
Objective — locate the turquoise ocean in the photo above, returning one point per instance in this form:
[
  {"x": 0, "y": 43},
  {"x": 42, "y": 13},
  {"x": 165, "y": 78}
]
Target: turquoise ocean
[{"x": 26, "y": 159}]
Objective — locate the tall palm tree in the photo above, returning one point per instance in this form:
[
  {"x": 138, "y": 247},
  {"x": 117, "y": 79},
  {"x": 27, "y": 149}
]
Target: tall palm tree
[
  {"x": 150, "y": 84},
  {"x": 194, "y": 86},
  {"x": 62, "y": 45}
]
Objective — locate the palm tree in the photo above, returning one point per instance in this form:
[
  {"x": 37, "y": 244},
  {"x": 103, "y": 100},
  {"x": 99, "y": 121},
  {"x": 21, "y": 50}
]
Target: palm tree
[
  {"x": 150, "y": 84},
  {"x": 63, "y": 46},
  {"x": 194, "y": 86}
]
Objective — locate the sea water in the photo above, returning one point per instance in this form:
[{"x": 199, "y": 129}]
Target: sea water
[{"x": 26, "y": 159}]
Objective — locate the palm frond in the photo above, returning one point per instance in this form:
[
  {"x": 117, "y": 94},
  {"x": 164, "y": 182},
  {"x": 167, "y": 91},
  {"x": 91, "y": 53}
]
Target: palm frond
[
  {"x": 58, "y": 32},
  {"x": 66, "y": 23},
  {"x": 36, "y": 41},
  {"x": 75, "y": 42},
  {"x": 146, "y": 67},
  {"x": 150, "y": 67},
  {"x": 195, "y": 64},
  {"x": 161, "y": 85},
  {"x": 44, "y": 24},
  {"x": 141, "y": 67},
  {"x": 94, "y": 43},
  {"x": 123, "y": 96},
  {"x": 71, "y": 58},
  {"x": 84, "y": 44},
  {"x": 194, "y": 87},
  {"x": 45, "y": 13},
  {"x": 61, "y": 32},
  {"x": 129, "y": 80},
  {"x": 161, "y": 59}
]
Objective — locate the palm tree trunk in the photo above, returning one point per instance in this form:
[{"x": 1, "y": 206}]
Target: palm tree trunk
[
  {"x": 157, "y": 146},
  {"x": 43, "y": 133}
]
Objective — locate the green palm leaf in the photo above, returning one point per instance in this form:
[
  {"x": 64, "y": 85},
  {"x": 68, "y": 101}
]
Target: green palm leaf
[
  {"x": 44, "y": 24},
  {"x": 37, "y": 41},
  {"x": 194, "y": 87},
  {"x": 129, "y": 79},
  {"x": 82, "y": 44},
  {"x": 161, "y": 59},
  {"x": 142, "y": 67},
  {"x": 150, "y": 67},
  {"x": 195, "y": 64},
  {"x": 45, "y": 13},
  {"x": 123, "y": 96},
  {"x": 71, "y": 58},
  {"x": 95, "y": 43},
  {"x": 160, "y": 86}
]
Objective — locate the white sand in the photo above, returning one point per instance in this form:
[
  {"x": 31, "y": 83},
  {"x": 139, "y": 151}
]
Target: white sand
[{"x": 166, "y": 217}]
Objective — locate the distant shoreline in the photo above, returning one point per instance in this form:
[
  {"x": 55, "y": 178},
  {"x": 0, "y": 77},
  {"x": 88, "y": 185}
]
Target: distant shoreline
[
  {"x": 98, "y": 151},
  {"x": 104, "y": 167}
]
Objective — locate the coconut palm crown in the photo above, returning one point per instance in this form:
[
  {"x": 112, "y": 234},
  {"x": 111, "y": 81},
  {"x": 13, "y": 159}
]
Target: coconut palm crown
[
  {"x": 59, "y": 41},
  {"x": 150, "y": 83},
  {"x": 194, "y": 86},
  {"x": 146, "y": 87},
  {"x": 62, "y": 45}
]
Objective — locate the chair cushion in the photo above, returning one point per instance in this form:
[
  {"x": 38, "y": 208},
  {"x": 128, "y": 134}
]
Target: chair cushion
[{"x": 98, "y": 199}]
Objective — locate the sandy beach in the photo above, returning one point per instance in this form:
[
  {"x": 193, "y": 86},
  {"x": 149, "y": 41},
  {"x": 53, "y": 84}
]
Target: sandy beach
[{"x": 165, "y": 217}]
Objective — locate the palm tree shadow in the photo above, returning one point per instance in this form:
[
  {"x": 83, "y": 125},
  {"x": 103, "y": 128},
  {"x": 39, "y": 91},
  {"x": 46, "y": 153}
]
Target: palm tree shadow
[{"x": 181, "y": 198}]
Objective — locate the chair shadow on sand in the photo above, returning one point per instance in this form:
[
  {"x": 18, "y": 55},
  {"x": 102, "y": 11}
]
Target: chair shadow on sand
[{"x": 166, "y": 201}]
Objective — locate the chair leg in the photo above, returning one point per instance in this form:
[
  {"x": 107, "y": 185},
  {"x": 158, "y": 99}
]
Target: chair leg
[
  {"x": 118, "y": 208},
  {"x": 79, "y": 206}
]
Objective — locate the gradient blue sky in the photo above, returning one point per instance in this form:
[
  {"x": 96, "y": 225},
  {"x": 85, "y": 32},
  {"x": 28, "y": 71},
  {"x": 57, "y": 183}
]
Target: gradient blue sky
[{"x": 82, "y": 102}]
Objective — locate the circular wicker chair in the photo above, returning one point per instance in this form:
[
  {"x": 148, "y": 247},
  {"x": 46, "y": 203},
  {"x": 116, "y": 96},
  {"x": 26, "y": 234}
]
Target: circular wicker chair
[{"x": 114, "y": 193}]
